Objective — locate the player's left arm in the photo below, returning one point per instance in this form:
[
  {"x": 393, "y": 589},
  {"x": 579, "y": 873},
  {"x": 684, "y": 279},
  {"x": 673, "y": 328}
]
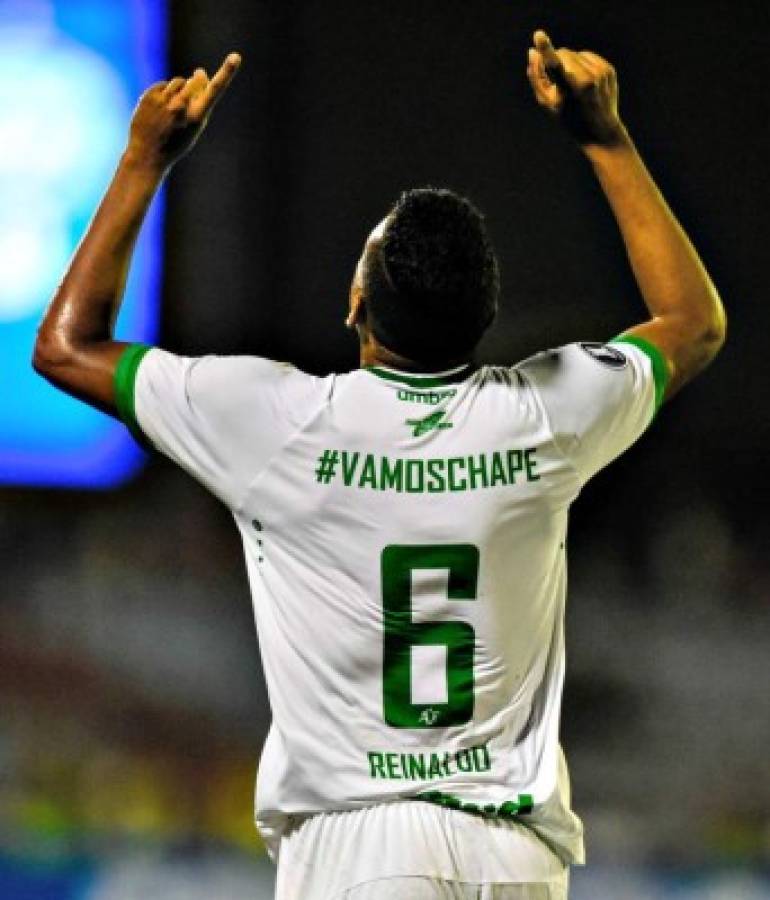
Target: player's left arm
[
  {"x": 686, "y": 322},
  {"x": 75, "y": 349}
]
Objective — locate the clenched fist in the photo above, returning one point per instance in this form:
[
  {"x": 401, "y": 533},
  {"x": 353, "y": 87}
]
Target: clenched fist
[
  {"x": 171, "y": 115},
  {"x": 579, "y": 88}
]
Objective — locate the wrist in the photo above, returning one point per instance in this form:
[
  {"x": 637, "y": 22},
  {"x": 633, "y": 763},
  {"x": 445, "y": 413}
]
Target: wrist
[
  {"x": 147, "y": 165},
  {"x": 613, "y": 138}
]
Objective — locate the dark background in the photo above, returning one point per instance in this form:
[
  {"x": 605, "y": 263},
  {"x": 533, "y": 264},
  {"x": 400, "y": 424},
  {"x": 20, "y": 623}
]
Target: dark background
[
  {"x": 339, "y": 106},
  {"x": 130, "y": 681}
]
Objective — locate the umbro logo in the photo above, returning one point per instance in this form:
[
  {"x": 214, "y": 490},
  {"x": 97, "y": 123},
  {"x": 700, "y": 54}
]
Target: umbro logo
[{"x": 429, "y": 423}]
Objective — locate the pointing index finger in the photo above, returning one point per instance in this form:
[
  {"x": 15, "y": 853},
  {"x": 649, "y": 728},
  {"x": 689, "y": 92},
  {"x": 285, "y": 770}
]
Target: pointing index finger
[{"x": 224, "y": 75}]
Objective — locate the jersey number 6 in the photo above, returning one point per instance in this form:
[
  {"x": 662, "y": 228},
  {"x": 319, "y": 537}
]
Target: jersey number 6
[{"x": 398, "y": 561}]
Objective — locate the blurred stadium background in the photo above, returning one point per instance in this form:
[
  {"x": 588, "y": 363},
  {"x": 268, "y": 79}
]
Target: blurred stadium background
[{"x": 133, "y": 706}]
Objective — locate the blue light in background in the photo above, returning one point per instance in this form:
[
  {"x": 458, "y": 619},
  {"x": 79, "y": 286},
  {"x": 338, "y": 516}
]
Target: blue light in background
[{"x": 70, "y": 74}]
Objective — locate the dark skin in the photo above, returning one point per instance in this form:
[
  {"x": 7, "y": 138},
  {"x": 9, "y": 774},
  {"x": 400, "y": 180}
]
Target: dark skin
[{"x": 75, "y": 348}]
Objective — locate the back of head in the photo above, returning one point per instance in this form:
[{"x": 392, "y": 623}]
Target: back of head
[{"x": 431, "y": 283}]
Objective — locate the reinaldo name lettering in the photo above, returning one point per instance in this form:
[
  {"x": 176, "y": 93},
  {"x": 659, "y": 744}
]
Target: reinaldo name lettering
[
  {"x": 433, "y": 476},
  {"x": 425, "y": 766}
]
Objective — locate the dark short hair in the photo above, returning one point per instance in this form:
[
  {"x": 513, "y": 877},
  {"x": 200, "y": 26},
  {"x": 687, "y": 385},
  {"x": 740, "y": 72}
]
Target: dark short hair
[{"x": 431, "y": 284}]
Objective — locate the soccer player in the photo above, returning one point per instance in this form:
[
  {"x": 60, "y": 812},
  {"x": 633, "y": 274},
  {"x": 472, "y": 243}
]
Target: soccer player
[{"x": 404, "y": 524}]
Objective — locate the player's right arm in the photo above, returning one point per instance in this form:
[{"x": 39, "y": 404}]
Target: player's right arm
[
  {"x": 687, "y": 319},
  {"x": 75, "y": 347}
]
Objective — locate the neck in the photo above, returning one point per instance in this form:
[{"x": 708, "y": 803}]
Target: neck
[{"x": 374, "y": 354}]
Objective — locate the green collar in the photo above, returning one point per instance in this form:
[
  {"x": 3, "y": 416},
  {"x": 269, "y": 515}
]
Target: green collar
[{"x": 437, "y": 379}]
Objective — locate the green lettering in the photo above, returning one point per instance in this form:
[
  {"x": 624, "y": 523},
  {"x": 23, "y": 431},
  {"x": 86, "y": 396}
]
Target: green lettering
[
  {"x": 434, "y": 769},
  {"x": 391, "y": 762},
  {"x": 530, "y": 463},
  {"x": 417, "y": 766},
  {"x": 376, "y": 765},
  {"x": 349, "y": 466},
  {"x": 391, "y": 477},
  {"x": 477, "y": 468},
  {"x": 415, "y": 486},
  {"x": 514, "y": 465},
  {"x": 436, "y": 482},
  {"x": 456, "y": 462},
  {"x": 368, "y": 473},
  {"x": 498, "y": 470},
  {"x": 481, "y": 758},
  {"x": 464, "y": 761},
  {"x": 430, "y": 398},
  {"x": 445, "y": 764}
]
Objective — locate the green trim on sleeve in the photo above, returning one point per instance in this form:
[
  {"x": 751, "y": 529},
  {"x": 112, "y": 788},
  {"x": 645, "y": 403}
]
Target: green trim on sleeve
[
  {"x": 660, "y": 373},
  {"x": 125, "y": 382}
]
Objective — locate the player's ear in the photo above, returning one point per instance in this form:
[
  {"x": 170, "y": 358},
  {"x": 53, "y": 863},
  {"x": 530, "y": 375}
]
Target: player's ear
[{"x": 357, "y": 314}]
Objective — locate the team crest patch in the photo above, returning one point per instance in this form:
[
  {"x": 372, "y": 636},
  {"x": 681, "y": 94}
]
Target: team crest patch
[{"x": 606, "y": 355}]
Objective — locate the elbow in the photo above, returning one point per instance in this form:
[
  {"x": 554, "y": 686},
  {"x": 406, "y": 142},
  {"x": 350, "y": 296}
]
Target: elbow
[
  {"x": 706, "y": 329},
  {"x": 50, "y": 353},
  {"x": 714, "y": 332}
]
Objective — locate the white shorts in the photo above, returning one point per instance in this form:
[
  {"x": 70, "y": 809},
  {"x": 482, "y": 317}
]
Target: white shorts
[
  {"x": 413, "y": 850},
  {"x": 433, "y": 889}
]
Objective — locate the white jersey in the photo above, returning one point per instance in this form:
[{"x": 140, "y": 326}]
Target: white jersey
[{"x": 405, "y": 542}]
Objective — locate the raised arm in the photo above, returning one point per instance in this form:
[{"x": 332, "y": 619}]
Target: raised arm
[
  {"x": 74, "y": 348},
  {"x": 687, "y": 320}
]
